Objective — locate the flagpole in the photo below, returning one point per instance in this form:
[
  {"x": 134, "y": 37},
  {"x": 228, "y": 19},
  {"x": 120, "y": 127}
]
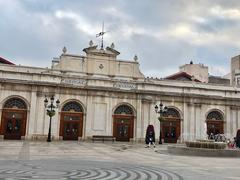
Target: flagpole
[{"x": 102, "y": 36}]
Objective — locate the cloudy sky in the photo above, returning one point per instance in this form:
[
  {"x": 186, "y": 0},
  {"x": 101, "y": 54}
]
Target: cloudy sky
[{"x": 163, "y": 33}]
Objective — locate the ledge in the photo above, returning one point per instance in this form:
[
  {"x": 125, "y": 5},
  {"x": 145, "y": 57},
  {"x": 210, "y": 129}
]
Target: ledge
[{"x": 187, "y": 151}]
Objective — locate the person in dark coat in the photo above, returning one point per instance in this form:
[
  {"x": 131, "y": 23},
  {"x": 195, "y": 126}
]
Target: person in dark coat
[
  {"x": 150, "y": 136},
  {"x": 238, "y": 139}
]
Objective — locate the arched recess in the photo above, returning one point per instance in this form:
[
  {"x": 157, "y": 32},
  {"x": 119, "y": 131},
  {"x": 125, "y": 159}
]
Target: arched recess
[
  {"x": 14, "y": 118},
  {"x": 171, "y": 125},
  {"x": 123, "y": 122},
  {"x": 71, "y": 121},
  {"x": 215, "y": 121}
]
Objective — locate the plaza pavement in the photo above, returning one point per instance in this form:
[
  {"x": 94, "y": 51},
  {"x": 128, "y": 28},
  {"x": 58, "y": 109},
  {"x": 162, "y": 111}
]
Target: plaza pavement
[{"x": 87, "y": 160}]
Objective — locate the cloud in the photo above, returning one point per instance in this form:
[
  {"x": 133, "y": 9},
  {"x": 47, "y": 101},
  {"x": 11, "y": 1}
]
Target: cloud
[
  {"x": 79, "y": 21},
  {"x": 115, "y": 12},
  {"x": 226, "y": 13},
  {"x": 164, "y": 34}
]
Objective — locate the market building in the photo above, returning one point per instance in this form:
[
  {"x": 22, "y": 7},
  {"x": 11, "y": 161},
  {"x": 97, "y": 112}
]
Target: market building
[{"x": 101, "y": 95}]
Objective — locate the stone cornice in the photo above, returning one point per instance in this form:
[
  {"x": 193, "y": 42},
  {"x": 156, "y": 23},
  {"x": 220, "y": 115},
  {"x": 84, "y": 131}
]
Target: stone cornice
[
  {"x": 156, "y": 88},
  {"x": 113, "y": 89},
  {"x": 156, "y": 83},
  {"x": 235, "y": 107}
]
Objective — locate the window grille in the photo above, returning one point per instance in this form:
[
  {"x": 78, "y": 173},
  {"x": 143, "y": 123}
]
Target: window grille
[
  {"x": 215, "y": 115},
  {"x": 171, "y": 112},
  {"x": 124, "y": 109},
  {"x": 72, "y": 106},
  {"x": 15, "y": 103}
]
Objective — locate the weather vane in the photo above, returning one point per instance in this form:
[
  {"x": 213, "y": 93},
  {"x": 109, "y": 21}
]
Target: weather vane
[{"x": 101, "y": 34}]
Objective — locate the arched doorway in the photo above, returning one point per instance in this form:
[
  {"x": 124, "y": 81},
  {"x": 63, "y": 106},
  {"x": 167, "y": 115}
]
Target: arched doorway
[
  {"x": 71, "y": 122},
  {"x": 123, "y": 123},
  {"x": 214, "y": 123},
  {"x": 171, "y": 126},
  {"x": 14, "y": 118}
]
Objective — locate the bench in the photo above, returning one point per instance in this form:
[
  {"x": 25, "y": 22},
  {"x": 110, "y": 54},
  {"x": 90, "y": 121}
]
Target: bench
[{"x": 102, "y": 138}]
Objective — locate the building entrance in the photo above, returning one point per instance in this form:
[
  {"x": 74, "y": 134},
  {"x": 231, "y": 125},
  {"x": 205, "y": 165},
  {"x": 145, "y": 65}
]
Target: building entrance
[
  {"x": 123, "y": 128},
  {"x": 123, "y": 123},
  {"x": 14, "y": 117},
  {"x": 171, "y": 131},
  {"x": 170, "y": 126},
  {"x": 71, "y": 123}
]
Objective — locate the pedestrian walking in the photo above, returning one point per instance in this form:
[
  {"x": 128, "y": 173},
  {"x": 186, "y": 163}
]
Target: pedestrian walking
[{"x": 150, "y": 136}]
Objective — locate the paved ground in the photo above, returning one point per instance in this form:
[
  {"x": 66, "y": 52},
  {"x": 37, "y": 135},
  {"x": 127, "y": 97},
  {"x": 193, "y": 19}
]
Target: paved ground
[{"x": 86, "y": 160}]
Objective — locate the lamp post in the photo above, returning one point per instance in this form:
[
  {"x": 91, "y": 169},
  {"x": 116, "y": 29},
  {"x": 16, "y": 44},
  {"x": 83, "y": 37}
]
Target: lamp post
[
  {"x": 161, "y": 110},
  {"x": 50, "y": 112}
]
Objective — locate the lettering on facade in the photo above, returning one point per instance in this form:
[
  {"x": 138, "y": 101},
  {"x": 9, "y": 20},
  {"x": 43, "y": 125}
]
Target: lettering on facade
[
  {"x": 124, "y": 85},
  {"x": 76, "y": 82}
]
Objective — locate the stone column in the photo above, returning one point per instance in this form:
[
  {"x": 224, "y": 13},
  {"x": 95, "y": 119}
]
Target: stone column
[
  {"x": 153, "y": 119},
  {"x": 144, "y": 118},
  {"x": 233, "y": 122},
  {"x": 198, "y": 122},
  {"x": 55, "y": 120},
  {"x": 40, "y": 116},
  {"x": 109, "y": 124},
  {"x": 138, "y": 119},
  {"x": 32, "y": 121},
  {"x": 186, "y": 125},
  {"x": 146, "y": 110},
  {"x": 191, "y": 121},
  {"x": 227, "y": 122},
  {"x": 203, "y": 123},
  {"x": 89, "y": 117}
]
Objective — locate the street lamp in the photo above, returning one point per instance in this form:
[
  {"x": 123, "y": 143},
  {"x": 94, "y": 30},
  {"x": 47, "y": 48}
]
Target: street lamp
[
  {"x": 50, "y": 112},
  {"x": 161, "y": 111}
]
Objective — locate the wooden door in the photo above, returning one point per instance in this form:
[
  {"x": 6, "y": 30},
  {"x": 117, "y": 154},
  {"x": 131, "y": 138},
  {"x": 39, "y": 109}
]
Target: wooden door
[
  {"x": 170, "y": 131},
  {"x": 71, "y": 125},
  {"x": 13, "y": 124},
  {"x": 123, "y": 127},
  {"x": 215, "y": 127}
]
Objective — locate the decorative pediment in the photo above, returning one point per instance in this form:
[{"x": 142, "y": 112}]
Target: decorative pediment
[
  {"x": 109, "y": 51},
  {"x": 90, "y": 49},
  {"x": 113, "y": 51}
]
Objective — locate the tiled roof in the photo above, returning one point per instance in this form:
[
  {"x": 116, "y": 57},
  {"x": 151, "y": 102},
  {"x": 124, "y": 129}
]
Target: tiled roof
[
  {"x": 4, "y": 61},
  {"x": 182, "y": 76}
]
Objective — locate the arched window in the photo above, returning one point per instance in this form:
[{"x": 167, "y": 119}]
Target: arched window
[
  {"x": 73, "y": 107},
  {"x": 124, "y": 109},
  {"x": 215, "y": 123},
  {"x": 173, "y": 113},
  {"x": 215, "y": 115},
  {"x": 15, "y": 103}
]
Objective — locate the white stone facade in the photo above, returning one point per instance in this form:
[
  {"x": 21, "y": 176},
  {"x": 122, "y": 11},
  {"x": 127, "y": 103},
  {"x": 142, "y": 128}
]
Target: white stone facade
[{"x": 100, "y": 83}]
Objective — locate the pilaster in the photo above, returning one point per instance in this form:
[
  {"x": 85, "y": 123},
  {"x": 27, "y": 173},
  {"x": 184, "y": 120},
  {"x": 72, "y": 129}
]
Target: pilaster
[
  {"x": 198, "y": 122},
  {"x": 32, "y": 121},
  {"x": 138, "y": 118},
  {"x": 227, "y": 122}
]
